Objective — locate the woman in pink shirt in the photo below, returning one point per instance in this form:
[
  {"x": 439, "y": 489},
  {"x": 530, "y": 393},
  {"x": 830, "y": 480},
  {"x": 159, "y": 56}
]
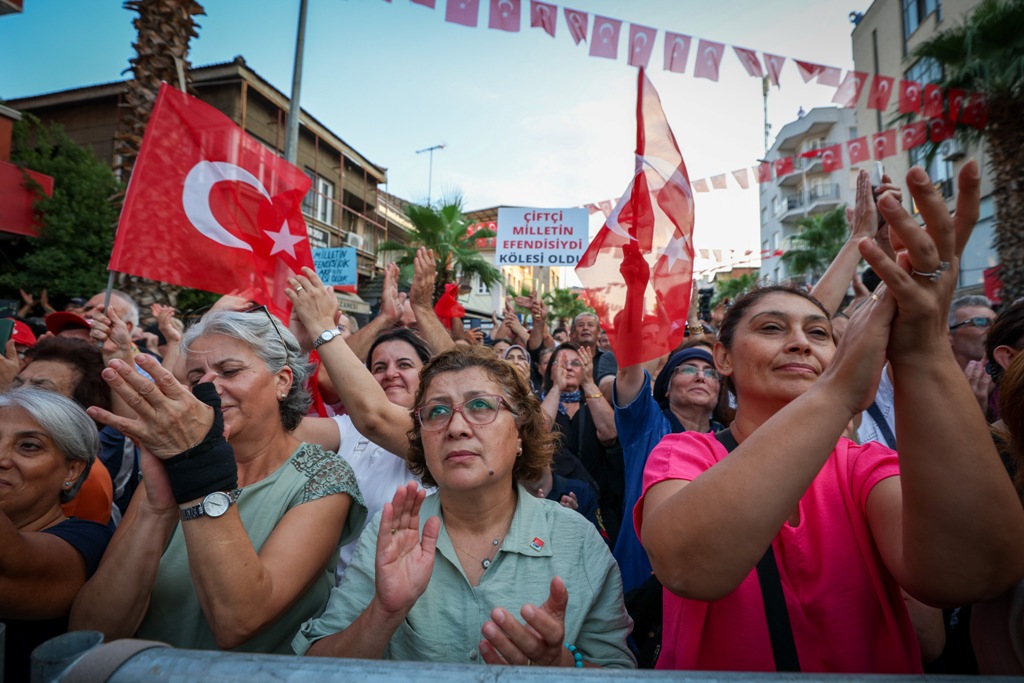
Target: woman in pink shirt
[{"x": 848, "y": 525}]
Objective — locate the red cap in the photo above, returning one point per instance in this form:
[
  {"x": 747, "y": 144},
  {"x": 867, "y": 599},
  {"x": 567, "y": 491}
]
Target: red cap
[
  {"x": 63, "y": 320},
  {"x": 23, "y": 334}
]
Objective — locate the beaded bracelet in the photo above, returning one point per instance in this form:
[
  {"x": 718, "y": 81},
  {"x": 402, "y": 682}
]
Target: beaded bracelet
[{"x": 576, "y": 655}]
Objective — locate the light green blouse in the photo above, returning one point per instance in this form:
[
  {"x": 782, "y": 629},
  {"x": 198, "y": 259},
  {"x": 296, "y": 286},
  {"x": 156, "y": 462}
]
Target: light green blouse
[
  {"x": 174, "y": 614},
  {"x": 545, "y": 540}
]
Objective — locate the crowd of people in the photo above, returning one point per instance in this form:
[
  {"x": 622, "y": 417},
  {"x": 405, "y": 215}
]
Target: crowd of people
[{"x": 809, "y": 482}]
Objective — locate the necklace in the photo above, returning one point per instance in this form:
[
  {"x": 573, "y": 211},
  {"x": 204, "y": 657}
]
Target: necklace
[{"x": 485, "y": 562}]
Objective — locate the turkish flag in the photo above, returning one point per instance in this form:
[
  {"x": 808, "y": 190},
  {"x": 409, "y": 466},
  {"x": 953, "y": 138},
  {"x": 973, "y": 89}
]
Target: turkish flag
[
  {"x": 933, "y": 101},
  {"x": 638, "y": 269},
  {"x": 783, "y": 166},
  {"x": 505, "y": 15},
  {"x": 940, "y": 129},
  {"x": 448, "y": 306},
  {"x": 641, "y": 45},
  {"x": 832, "y": 158},
  {"x": 829, "y": 75},
  {"x": 604, "y": 40},
  {"x": 709, "y": 58},
  {"x": 884, "y": 144},
  {"x": 210, "y": 207},
  {"x": 910, "y": 97},
  {"x": 718, "y": 182},
  {"x": 773, "y": 63},
  {"x": 742, "y": 178},
  {"x": 463, "y": 12},
  {"x": 976, "y": 112},
  {"x": 677, "y": 50},
  {"x": 749, "y": 60},
  {"x": 542, "y": 15},
  {"x": 763, "y": 172},
  {"x": 701, "y": 186},
  {"x": 957, "y": 100},
  {"x": 881, "y": 91},
  {"x": 858, "y": 150},
  {"x": 914, "y": 135},
  {"x": 606, "y": 207},
  {"x": 808, "y": 70},
  {"x": 849, "y": 91},
  {"x": 577, "y": 24}
]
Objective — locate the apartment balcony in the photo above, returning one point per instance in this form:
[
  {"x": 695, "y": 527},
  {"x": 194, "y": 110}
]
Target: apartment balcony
[{"x": 823, "y": 197}]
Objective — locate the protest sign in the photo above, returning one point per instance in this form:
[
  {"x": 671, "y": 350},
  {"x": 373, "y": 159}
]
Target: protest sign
[
  {"x": 336, "y": 266},
  {"x": 541, "y": 237}
]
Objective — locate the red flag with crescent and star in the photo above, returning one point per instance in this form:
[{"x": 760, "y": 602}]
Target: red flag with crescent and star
[
  {"x": 639, "y": 268},
  {"x": 210, "y": 207}
]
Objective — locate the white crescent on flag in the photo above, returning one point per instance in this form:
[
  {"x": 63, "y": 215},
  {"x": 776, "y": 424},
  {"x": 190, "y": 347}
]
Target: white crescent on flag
[{"x": 195, "y": 198}]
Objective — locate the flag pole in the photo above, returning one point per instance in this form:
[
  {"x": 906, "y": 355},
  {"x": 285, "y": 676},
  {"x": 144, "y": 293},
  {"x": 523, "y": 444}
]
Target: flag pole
[
  {"x": 291, "y": 145},
  {"x": 106, "y": 299}
]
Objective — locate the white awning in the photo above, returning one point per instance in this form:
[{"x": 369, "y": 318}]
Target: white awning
[{"x": 351, "y": 303}]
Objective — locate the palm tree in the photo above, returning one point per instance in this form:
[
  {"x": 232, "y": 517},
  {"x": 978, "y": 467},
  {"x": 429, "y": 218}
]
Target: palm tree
[
  {"x": 734, "y": 287},
  {"x": 816, "y": 245},
  {"x": 564, "y": 305},
  {"x": 443, "y": 229},
  {"x": 165, "y": 29},
  {"x": 986, "y": 56}
]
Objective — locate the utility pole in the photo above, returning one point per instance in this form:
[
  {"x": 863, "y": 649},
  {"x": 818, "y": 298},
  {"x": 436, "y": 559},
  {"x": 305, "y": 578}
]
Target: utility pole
[
  {"x": 291, "y": 145},
  {"x": 430, "y": 176},
  {"x": 767, "y": 126}
]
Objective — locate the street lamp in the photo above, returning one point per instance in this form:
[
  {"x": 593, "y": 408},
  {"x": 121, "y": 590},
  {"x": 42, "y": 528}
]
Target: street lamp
[{"x": 430, "y": 176}]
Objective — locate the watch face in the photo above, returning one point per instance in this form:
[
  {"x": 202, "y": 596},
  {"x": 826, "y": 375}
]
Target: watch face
[
  {"x": 328, "y": 335},
  {"x": 216, "y": 504}
]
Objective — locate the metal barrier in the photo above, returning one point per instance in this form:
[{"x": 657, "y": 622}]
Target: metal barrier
[{"x": 56, "y": 659}]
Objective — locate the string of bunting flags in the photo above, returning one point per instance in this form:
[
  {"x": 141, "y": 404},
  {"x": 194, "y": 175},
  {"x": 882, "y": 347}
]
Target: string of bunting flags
[{"x": 940, "y": 111}]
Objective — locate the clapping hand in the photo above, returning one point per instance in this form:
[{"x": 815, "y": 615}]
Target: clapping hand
[
  {"x": 404, "y": 561},
  {"x": 539, "y": 641}
]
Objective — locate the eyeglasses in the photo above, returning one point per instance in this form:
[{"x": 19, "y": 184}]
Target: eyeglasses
[
  {"x": 479, "y": 410},
  {"x": 980, "y": 321},
  {"x": 693, "y": 371},
  {"x": 573, "y": 364}
]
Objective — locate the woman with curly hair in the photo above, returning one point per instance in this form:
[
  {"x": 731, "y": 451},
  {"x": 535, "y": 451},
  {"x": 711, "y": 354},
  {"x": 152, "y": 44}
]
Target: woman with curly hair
[{"x": 481, "y": 571}]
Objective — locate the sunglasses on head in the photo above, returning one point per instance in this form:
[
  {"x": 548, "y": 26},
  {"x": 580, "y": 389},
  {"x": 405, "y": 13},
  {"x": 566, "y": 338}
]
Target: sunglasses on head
[{"x": 979, "y": 321}]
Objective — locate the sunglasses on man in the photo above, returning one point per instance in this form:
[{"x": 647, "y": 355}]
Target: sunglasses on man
[{"x": 980, "y": 321}]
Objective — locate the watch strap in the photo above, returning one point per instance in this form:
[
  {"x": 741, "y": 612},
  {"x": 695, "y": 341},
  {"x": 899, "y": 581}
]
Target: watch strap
[{"x": 320, "y": 340}]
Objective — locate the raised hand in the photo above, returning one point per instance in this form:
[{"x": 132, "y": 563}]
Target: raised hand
[
  {"x": 390, "y": 306},
  {"x": 587, "y": 363},
  {"x": 238, "y": 300},
  {"x": 170, "y": 419},
  {"x": 540, "y": 641},
  {"x": 404, "y": 561},
  {"x": 421, "y": 294},
  {"x": 10, "y": 366},
  {"x": 164, "y": 315},
  {"x": 313, "y": 303},
  {"x": 112, "y": 335}
]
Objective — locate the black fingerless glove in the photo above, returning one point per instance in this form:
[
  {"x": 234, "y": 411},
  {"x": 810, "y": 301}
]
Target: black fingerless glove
[{"x": 209, "y": 465}]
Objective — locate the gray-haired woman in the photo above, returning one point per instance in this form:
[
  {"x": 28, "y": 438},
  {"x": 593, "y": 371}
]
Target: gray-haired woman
[
  {"x": 188, "y": 565},
  {"x": 47, "y": 445}
]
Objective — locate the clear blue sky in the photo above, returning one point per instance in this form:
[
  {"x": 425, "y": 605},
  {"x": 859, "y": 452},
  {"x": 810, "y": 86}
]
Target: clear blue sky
[{"x": 527, "y": 119}]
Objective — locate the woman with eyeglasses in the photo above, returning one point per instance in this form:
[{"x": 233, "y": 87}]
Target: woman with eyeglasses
[
  {"x": 683, "y": 400},
  {"x": 577, "y": 411},
  {"x": 480, "y": 572},
  {"x": 231, "y": 539},
  {"x": 786, "y": 547}
]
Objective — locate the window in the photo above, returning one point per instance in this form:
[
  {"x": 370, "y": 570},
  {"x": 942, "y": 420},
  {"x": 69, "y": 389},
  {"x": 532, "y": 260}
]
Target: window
[
  {"x": 925, "y": 70},
  {"x": 481, "y": 288},
  {"x": 853, "y": 133},
  {"x": 915, "y": 12},
  {"x": 776, "y": 240},
  {"x": 939, "y": 170},
  {"x": 319, "y": 202}
]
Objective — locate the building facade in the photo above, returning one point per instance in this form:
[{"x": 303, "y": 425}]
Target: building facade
[
  {"x": 809, "y": 189},
  {"x": 883, "y": 42}
]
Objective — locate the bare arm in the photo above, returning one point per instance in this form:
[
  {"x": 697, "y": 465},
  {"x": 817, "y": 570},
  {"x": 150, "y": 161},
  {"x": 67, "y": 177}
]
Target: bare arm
[
  {"x": 40, "y": 574},
  {"x": 373, "y": 414},
  {"x": 421, "y": 298},
  {"x": 950, "y": 532},
  {"x": 600, "y": 410},
  {"x": 361, "y": 340},
  {"x": 539, "y": 333}
]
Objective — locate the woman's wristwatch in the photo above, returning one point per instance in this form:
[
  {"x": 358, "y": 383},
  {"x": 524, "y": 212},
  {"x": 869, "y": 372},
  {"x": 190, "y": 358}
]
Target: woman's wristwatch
[{"x": 214, "y": 505}]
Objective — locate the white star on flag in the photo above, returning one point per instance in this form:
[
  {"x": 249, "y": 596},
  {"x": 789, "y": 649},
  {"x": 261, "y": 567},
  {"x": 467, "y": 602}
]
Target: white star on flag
[
  {"x": 284, "y": 240},
  {"x": 677, "y": 249}
]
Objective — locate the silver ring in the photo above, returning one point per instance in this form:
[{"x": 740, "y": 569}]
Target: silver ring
[
  {"x": 875, "y": 297},
  {"x": 935, "y": 274},
  {"x": 300, "y": 288}
]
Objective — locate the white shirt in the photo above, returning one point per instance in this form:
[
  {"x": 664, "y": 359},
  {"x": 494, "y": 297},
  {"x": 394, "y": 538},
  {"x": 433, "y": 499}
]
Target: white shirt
[
  {"x": 378, "y": 472},
  {"x": 885, "y": 397}
]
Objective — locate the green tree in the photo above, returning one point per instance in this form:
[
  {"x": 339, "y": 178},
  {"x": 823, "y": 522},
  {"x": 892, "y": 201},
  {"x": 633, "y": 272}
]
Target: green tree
[
  {"x": 70, "y": 256},
  {"x": 443, "y": 229},
  {"x": 564, "y": 305},
  {"x": 820, "y": 238},
  {"x": 733, "y": 287},
  {"x": 985, "y": 55}
]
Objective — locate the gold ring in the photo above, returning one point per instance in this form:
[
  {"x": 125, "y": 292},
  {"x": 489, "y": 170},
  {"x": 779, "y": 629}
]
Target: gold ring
[{"x": 394, "y": 531}]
